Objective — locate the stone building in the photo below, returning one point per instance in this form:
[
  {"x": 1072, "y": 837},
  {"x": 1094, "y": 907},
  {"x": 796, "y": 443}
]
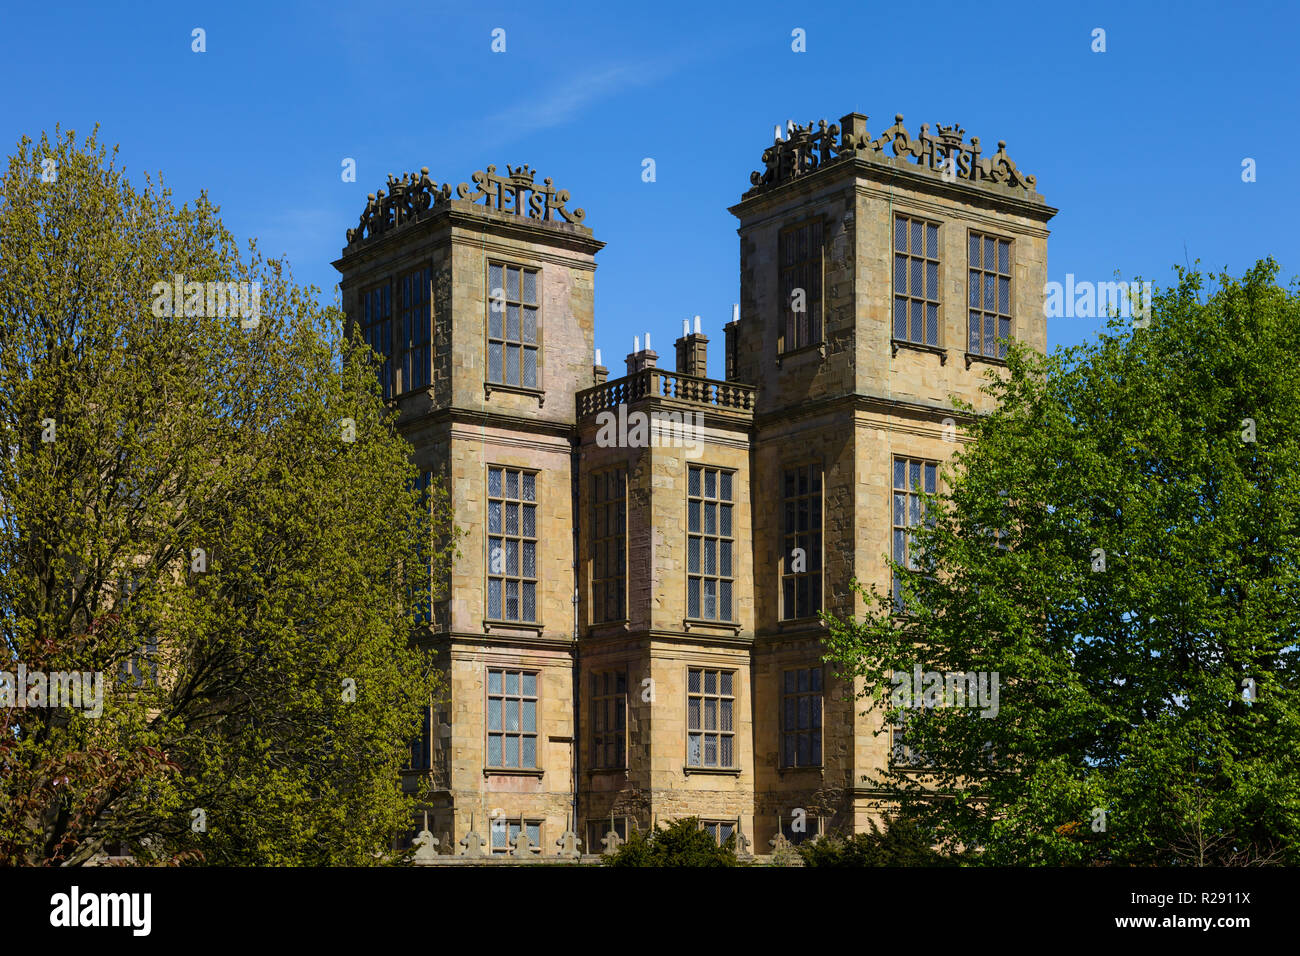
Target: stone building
[{"x": 632, "y": 630}]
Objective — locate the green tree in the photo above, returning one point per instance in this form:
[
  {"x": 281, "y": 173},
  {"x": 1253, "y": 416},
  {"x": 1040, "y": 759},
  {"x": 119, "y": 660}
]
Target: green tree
[
  {"x": 215, "y": 514},
  {"x": 681, "y": 843},
  {"x": 1119, "y": 544},
  {"x": 903, "y": 842}
]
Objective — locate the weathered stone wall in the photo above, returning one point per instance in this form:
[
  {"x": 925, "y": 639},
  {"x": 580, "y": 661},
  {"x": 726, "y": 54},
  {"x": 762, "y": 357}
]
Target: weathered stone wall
[{"x": 847, "y": 405}]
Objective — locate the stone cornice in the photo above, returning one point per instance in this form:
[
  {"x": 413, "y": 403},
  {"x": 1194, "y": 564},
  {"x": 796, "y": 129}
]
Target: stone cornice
[
  {"x": 864, "y": 403},
  {"x": 450, "y": 641},
  {"x": 480, "y": 417}
]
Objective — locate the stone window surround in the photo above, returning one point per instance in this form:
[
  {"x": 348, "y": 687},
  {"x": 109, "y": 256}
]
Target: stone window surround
[
  {"x": 367, "y": 324},
  {"x": 596, "y": 766},
  {"x": 521, "y": 820},
  {"x": 504, "y": 623},
  {"x": 818, "y": 344},
  {"x": 733, "y": 769},
  {"x": 592, "y": 580},
  {"x": 718, "y": 824},
  {"x": 537, "y": 770},
  {"x": 489, "y": 386},
  {"x": 1011, "y": 295},
  {"x": 910, "y": 493},
  {"x": 397, "y": 346},
  {"x": 922, "y": 217},
  {"x": 802, "y": 462},
  {"x": 820, "y": 694},
  {"x": 814, "y": 830},
  {"x": 733, "y": 622},
  {"x": 422, "y": 309}
]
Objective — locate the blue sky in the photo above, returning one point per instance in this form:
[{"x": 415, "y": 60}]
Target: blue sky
[{"x": 1140, "y": 147}]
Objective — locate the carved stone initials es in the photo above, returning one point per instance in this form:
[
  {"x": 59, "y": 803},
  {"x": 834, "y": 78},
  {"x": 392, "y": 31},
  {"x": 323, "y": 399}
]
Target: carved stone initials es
[
  {"x": 806, "y": 149},
  {"x": 412, "y": 195}
]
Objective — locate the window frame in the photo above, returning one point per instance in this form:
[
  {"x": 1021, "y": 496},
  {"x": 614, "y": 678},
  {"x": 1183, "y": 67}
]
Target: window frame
[
  {"x": 521, "y": 821},
  {"x": 599, "y": 545},
  {"x": 814, "y": 468},
  {"x": 908, "y": 296},
  {"x": 717, "y": 825},
  {"x": 813, "y": 319},
  {"x": 598, "y": 827},
  {"x": 717, "y": 537},
  {"x": 785, "y": 828},
  {"x": 909, "y": 494},
  {"x": 405, "y": 312},
  {"x": 505, "y": 577},
  {"x": 520, "y": 733},
  {"x": 387, "y": 366},
  {"x": 984, "y": 313},
  {"x": 600, "y": 738},
  {"x": 503, "y": 339},
  {"x": 819, "y": 729},
  {"x": 424, "y": 743},
  {"x": 702, "y": 694}
]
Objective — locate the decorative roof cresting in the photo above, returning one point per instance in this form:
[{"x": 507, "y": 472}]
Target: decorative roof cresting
[
  {"x": 412, "y": 195},
  {"x": 806, "y": 149}
]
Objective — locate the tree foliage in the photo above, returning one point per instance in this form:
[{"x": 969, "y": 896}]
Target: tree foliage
[
  {"x": 681, "y": 843},
  {"x": 903, "y": 842},
  {"x": 201, "y": 527},
  {"x": 1119, "y": 544}
]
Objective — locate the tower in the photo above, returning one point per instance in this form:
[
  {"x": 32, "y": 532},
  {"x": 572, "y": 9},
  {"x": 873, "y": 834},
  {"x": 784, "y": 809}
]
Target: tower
[
  {"x": 877, "y": 277},
  {"x": 481, "y": 304},
  {"x": 633, "y": 629}
]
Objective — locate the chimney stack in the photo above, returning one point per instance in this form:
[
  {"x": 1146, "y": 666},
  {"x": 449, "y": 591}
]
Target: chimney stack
[
  {"x": 732, "y": 331},
  {"x": 692, "y": 351},
  {"x": 598, "y": 371},
  {"x": 641, "y": 358}
]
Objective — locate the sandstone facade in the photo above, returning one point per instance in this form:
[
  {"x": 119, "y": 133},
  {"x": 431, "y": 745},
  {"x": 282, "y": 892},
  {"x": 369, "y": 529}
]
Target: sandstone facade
[{"x": 843, "y": 404}]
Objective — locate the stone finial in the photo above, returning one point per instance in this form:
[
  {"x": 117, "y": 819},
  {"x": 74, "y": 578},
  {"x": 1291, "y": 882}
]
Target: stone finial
[
  {"x": 743, "y": 842},
  {"x": 611, "y": 842},
  {"x": 523, "y": 847},
  {"x": 426, "y": 843},
  {"x": 569, "y": 845},
  {"x": 472, "y": 841},
  {"x": 779, "y": 842}
]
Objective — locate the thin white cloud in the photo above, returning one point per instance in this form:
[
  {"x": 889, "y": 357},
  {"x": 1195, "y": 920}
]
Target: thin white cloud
[{"x": 565, "y": 102}]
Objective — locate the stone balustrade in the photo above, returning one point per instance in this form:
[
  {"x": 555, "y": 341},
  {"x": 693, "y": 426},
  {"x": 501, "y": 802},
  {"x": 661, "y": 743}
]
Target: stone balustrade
[{"x": 663, "y": 384}]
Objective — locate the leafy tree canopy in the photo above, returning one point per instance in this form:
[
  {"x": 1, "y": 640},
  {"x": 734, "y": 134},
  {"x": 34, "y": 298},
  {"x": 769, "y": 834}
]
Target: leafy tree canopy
[
  {"x": 214, "y": 514},
  {"x": 1119, "y": 545}
]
